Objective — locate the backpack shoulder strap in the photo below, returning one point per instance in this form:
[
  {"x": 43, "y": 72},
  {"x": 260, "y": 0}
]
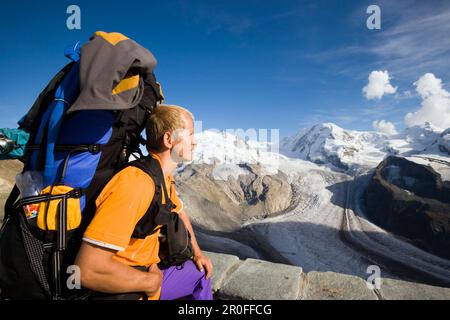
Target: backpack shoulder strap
[
  {"x": 152, "y": 168},
  {"x": 158, "y": 213}
]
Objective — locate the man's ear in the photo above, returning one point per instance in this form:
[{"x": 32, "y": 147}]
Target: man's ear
[{"x": 167, "y": 140}]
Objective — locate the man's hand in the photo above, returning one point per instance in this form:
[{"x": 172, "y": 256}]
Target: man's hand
[
  {"x": 204, "y": 261},
  {"x": 157, "y": 275},
  {"x": 199, "y": 259}
]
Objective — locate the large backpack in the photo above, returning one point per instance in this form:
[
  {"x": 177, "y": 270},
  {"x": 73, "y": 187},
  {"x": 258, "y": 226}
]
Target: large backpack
[{"x": 83, "y": 128}]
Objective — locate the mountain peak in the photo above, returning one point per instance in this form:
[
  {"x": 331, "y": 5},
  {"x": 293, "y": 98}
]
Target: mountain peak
[
  {"x": 323, "y": 127},
  {"x": 327, "y": 143},
  {"x": 329, "y": 125}
]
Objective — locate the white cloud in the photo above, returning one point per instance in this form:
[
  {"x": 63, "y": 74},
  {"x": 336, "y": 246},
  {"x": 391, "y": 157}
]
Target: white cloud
[
  {"x": 378, "y": 85},
  {"x": 435, "y": 107},
  {"x": 428, "y": 85},
  {"x": 384, "y": 126}
]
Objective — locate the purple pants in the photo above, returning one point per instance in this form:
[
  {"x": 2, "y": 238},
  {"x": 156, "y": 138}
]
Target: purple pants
[{"x": 185, "y": 281}]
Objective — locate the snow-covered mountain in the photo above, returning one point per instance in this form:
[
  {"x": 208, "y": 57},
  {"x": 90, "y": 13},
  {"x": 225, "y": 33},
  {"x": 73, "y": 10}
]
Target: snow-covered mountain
[
  {"x": 444, "y": 141},
  {"x": 417, "y": 139},
  {"x": 328, "y": 144},
  {"x": 325, "y": 144},
  {"x": 440, "y": 144},
  {"x": 230, "y": 154}
]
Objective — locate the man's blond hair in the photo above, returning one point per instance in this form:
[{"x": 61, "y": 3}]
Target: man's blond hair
[{"x": 164, "y": 118}]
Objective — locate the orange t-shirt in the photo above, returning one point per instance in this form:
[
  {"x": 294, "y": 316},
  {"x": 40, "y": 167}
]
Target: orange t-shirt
[{"x": 120, "y": 206}]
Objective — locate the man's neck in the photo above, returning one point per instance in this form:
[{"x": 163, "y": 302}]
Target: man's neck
[{"x": 167, "y": 164}]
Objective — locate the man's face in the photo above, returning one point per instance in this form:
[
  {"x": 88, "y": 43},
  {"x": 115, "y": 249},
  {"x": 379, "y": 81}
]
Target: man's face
[{"x": 185, "y": 141}]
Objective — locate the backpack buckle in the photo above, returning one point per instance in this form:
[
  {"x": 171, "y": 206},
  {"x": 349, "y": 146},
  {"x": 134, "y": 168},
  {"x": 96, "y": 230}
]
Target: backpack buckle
[
  {"x": 94, "y": 148},
  {"x": 76, "y": 193}
]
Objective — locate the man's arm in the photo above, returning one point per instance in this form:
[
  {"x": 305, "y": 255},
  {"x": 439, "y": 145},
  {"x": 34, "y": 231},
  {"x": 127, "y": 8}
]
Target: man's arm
[
  {"x": 101, "y": 272},
  {"x": 200, "y": 259}
]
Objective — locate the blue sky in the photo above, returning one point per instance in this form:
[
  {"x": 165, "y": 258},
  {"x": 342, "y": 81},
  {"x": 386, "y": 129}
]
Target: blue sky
[{"x": 244, "y": 64}]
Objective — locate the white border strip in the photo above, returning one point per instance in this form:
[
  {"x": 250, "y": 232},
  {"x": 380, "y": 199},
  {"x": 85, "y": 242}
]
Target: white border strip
[{"x": 103, "y": 244}]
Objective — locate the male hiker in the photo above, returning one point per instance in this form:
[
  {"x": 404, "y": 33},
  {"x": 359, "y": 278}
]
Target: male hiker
[{"x": 110, "y": 253}]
